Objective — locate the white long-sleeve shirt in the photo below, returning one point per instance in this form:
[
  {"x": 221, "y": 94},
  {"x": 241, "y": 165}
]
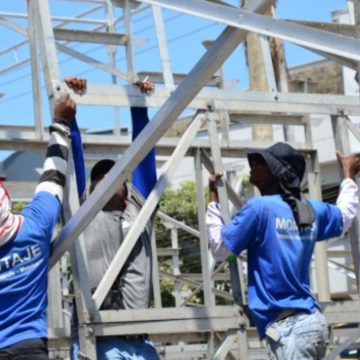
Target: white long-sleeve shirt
[{"x": 347, "y": 202}]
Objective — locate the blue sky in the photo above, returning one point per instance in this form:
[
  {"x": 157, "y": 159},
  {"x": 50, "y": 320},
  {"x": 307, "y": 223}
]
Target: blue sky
[{"x": 185, "y": 34}]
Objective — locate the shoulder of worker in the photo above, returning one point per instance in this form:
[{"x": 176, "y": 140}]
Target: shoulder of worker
[
  {"x": 135, "y": 197},
  {"x": 264, "y": 201}
]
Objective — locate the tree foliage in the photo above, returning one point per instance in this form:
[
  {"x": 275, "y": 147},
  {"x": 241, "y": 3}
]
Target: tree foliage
[
  {"x": 17, "y": 207},
  {"x": 181, "y": 204}
]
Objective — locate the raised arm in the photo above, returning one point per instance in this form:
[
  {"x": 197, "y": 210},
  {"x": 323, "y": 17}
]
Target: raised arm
[
  {"x": 45, "y": 207},
  {"x": 144, "y": 176},
  {"x": 53, "y": 177},
  {"x": 78, "y": 85},
  {"x": 215, "y": 222},
  {"x": 348, "y": 199}
]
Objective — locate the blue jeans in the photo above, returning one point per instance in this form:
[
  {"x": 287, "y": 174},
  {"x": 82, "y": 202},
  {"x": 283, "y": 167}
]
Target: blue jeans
[
  {"x": 117, "y": 348},
  {"x": 298, "y": 337}
]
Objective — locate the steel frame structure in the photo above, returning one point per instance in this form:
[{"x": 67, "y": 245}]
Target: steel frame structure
[{"x": 221, "y": 331}]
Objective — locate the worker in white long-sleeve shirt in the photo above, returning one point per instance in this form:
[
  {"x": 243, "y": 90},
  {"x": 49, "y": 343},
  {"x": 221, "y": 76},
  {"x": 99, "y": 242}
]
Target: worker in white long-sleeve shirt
[{"x": 279, "y": 230}]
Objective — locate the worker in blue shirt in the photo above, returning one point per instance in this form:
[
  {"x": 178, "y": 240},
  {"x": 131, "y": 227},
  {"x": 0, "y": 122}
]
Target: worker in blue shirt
[
  {"x": 25, "y": 244},
  {"x": 279, "y": 230}
]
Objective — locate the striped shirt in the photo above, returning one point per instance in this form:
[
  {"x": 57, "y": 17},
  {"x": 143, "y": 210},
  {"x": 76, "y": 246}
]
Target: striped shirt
[{"x": 24, "y": 261}]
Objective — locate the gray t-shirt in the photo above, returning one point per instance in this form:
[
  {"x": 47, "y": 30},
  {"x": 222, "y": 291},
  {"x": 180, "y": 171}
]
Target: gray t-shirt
[{"x": 102, "y": 239}]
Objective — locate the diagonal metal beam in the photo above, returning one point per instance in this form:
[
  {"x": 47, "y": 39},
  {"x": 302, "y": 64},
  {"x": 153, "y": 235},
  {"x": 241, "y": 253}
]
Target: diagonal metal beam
[
  {"x": 224, "y": 46},
  {"x": 201, "y": 285},
  {"x": 352, "y": 127},
  {"x": 338, "y": 59},
  {"x": 295, "y": 33},
  {"x": 13, "y": 67},
  {"x": 78, "y": 16},
  {"x": 336, "y": 28},
  {"x": 178, "y": 224},
  {"x": 13, "y": 47},
  {"x": 15, "y": 27},
  {"x": 226, "y": 345},
  {"x": 146, "y": 212},
  {"x": 338, "y": 350},
  {"x": 341, "y": 29},
  {"x": 195, "y": 284},
  {"x": 91, "y": 61}
]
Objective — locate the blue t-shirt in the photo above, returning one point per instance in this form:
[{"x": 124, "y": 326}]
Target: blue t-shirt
[
  {"x": 24, "y": 263},
  {"x": 279, "y": 255}
]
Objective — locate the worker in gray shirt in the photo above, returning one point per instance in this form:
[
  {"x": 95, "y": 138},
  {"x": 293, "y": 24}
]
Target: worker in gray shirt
[
  {"x": 133, "y": 287},
  {"x": 103, "y": 237}
]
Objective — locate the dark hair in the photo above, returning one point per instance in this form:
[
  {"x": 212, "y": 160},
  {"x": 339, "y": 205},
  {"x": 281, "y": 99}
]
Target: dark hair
[{"x": 100, "y": 169}]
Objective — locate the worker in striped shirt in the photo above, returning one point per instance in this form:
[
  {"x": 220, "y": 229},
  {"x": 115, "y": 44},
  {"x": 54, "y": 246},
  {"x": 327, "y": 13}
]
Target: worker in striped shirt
[{"x": 25, "y": 244}]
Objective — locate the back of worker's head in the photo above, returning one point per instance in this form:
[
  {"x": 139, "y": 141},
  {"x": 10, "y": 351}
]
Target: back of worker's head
[
  {"x": 288, "y": 165},
  {"x": 98, "y": 172},
  {"x": 9, "y": 223},
  {"x": 284, "y": 162}
]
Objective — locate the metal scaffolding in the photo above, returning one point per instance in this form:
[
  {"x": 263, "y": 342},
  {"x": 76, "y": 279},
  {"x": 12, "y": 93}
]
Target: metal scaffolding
[{"x": 207, "y": 330}]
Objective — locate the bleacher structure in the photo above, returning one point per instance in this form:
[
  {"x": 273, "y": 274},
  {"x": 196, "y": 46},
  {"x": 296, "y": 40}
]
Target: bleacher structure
[{"x": 186, "y": 331}]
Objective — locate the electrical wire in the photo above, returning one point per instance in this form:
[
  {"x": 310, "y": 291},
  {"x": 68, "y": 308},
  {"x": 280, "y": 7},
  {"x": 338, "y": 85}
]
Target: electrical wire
[
  {"x": 17, "y": 96},
  {"x": 75, "y": 47}
]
